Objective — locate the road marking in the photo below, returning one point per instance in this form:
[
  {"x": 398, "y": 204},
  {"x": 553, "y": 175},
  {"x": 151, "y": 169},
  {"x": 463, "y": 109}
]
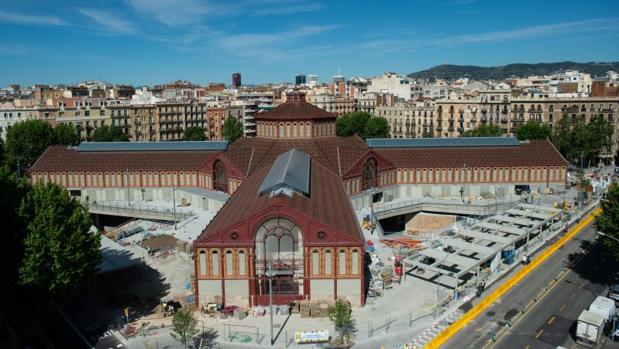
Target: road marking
[
  {"x": 527, "y": 347},
  {"x": 487, "y": 301},
  {"x": 552, "y": 319},
  {"x": 562, "y": 307},
  {"x": 539, "y": 334}
]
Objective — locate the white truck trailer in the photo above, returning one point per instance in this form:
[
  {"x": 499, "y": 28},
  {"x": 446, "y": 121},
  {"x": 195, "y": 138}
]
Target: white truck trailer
[{"x": 591, "y": 323}]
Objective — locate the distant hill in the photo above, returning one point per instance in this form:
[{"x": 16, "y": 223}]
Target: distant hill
[{"x": 449, "y": 71}]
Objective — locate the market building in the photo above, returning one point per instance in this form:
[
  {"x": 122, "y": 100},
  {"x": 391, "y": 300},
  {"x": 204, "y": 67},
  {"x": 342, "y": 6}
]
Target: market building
[{"x": 291, "y": 193}]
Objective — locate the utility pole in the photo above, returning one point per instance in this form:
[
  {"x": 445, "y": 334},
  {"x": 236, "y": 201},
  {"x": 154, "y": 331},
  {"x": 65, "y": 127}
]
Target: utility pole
[
  {"x": 127, "y": 186},
  {"x": 270, "y": 276},
  {"x": 174, "y": 205}
]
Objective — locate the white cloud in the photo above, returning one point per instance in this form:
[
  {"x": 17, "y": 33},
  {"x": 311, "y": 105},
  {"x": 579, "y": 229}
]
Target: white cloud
[
  {"x": 248, "y": 40},
  {"x": 110, "y": 22},
  {"x": 533, "y": 31},
  {"x": 288, "y": 10},
  {"x": 176, "y": 12},
  {"x": 18, "y": 18}
]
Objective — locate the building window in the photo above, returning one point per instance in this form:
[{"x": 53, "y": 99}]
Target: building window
[
  {"x": 229, "y": 265},
  {"x": 368, "y": 177},
  {"x": 202, "y": 262},
  {"x": 328, "y": 262},
  {"x": 242, "y": 262},
  {"x": 219, "y": 171},
  {"x": 215, "y": 263},
  {"x": 315, "y": 262},
  {"x": 342, "y": 262}
]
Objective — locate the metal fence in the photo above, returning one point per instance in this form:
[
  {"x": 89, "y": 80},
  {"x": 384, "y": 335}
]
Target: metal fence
[{"x": 141, "y": 210}]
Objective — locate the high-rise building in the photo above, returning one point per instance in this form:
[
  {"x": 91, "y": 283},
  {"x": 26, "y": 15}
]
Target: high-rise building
[
  {"x": 300, "y": 79},
  {"x": 236, "y": 80}
]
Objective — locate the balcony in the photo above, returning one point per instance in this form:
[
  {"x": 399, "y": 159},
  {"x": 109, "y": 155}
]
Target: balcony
[
  {"x": 460, "y": 129},
  {"x": 504, "y": 119},
  {"x": 450, "y": 129},
  {"x": 439, "y": 128},
  {"x": 484, "y": 118}
]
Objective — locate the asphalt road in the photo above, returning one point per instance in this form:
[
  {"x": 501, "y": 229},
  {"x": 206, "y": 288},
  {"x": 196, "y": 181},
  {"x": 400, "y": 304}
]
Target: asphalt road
[{"x": 551, "y": 320}]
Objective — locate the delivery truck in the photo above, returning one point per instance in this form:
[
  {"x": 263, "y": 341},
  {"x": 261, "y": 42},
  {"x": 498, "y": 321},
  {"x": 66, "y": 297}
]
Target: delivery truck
[{"x": 592, "y": 322}]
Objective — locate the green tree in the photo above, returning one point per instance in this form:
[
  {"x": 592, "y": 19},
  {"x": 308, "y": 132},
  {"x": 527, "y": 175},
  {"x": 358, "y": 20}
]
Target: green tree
[
  {"x": 61, "y": 254},
  {"x": 232, "y": 129},
  {"x": 562, "y": 137},
  {"x": 184, "y": 326},
  {"x": 194, "y": 133},
  {"x": 352, "y": 123},
  {"x": 484, "y": 130},
  {"x": 376, "y": 127},
  {"x": 1, "y": 152},
  {"x": 358, "y": 121},
  {"x": 341, "y": 316},
  {"x": 65, "y": 134},
  {"x": 608, "y": 221},
  {"x": 343, "y": 125},
  {"x": 25, "y": 142},
  {"x": 12, "y": 231},
  {"x": 110, "y": 133},
  {"x": 598, "y": 135},
  {"x": 533, "y": 130}
]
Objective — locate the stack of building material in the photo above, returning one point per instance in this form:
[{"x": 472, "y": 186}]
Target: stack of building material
[
  {"x": 304, "y": 306},
  {"x": 315, "y": 308}
]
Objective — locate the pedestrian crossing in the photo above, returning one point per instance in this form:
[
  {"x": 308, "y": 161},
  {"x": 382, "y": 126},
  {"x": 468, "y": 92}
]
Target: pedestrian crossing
[{"x": 431, "y": 332}]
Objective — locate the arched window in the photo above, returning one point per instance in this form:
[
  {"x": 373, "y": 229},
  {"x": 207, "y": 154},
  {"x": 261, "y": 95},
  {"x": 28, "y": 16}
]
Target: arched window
[
  {"x": 328, "y": 262},
  {"x": 215, "y": 263},
  {"x": 229, "y": 263},
  {"x": 315, "y": 262},
  {"x": 279, "y": 247},
  {"x": 242, "y": 262},
  {"x": 368, "y": 177},
  {"x": 342, "y": 262},
  {"x": 219, "y": 173},
  {"x": 355, "y": 262},
  {"x": 202, "y": 261}
]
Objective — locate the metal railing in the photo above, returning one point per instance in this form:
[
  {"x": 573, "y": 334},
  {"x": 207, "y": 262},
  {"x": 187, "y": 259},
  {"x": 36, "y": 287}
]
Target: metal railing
[
  {"x": 141, "y": 210},
  {"x": 488, "y": 205}
]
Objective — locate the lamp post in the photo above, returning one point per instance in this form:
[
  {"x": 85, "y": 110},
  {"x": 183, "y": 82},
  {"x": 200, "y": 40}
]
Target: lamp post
[
  {"x": 269, "y": 274},
  {"x": 174, "y": 205},
  {"x": 606, "y": 235}
]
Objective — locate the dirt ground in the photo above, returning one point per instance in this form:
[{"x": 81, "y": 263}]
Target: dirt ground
[{"x": 427, "y": 222}]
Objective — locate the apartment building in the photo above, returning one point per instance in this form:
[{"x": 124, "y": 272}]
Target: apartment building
[
  {"x": 460, "y": 113},
  {"x": 85, "y": 115},
  {"x": 10, "y": 114}
]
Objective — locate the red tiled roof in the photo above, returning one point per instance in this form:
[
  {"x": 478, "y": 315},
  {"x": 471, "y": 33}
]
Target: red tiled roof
[
  {"x": 251, "y": 154},
  {"x": 327, "y": 203},
  {"x": 295, "y": 110},
  {"x": 59, "y": 158},
  {"x": 533, "y": 153}
]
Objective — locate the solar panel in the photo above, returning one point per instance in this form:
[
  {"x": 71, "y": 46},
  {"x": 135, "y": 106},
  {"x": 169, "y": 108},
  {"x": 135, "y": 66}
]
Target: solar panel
[
  {"x": 152, "y": 146},
  {"x": 442, "y": 142},
  {"x": 290, "y": 171}
]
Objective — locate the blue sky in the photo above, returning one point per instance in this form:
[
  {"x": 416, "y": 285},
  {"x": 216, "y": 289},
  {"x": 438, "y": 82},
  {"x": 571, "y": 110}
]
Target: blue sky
[{"x": 151, "y": 41}]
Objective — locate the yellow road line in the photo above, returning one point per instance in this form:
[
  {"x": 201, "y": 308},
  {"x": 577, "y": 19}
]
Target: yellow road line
[
  {"x": 527, "y": 347},
  {"x": 552, "y": 319},
  {"x": 455, "y": 327},
  {"x": 562, "y": 307},
  {"x": 539, "y": 334}
]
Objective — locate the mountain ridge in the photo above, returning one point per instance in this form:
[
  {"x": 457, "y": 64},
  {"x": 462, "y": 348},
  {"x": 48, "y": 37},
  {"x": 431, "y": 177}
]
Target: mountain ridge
[{"x": 453, "y": 71}]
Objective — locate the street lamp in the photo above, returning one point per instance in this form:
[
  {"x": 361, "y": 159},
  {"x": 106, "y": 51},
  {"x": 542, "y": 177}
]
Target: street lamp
[
  {"x": 606, "y": 235},
  {"x": 270, "y": 274}
]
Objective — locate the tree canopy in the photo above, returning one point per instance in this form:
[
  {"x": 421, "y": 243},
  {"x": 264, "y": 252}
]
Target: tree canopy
[
  {"x": 26, "y": 141},
  {"x": 184, "y": 326},
  {"x": 111, "y": 133},
  {"x": 484, "y": 130},
  {"x": 65, "y": 134},
  {"x": 341, "y": 316},
  {"x": 376, "y": 127},
  {"x": 194, "y": 133},
  {"x": 533, "y": 130},
  {"x": 580, "y": 142},
  {"x": 352, "y": 123},
  {"x": 608, "y": 221},
  {"x": 61, "y": 254},
  {"x": 232, "y": 129}
]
